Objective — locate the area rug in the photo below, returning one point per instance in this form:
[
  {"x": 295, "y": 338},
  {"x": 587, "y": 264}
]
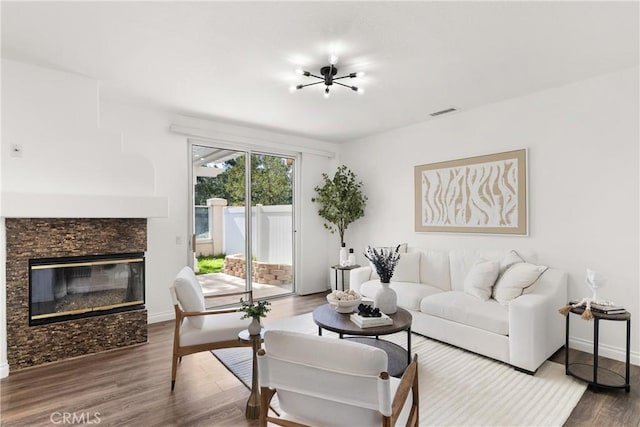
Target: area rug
[{"x": 457, "y": 387}]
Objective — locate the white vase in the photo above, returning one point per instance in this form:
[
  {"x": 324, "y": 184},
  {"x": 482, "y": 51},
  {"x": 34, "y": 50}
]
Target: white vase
[
  {"x": 386, "y": 299},
  {"x": 343, "y": 255},
  {"x": 255, "y": 326}
]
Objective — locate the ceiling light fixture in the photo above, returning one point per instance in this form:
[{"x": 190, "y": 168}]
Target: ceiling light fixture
[{"x": 328, "y": 77}]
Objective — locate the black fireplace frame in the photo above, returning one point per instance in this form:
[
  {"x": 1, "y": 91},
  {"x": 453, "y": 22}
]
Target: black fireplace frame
[{"x": 97, "y": 311}]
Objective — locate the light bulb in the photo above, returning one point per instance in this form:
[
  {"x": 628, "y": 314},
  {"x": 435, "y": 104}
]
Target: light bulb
[
  {"x": 299, "y": 71},
  {"x": 360, "y": 91},
  {"x": 360, "y": 74},
  {"x": 292, "y": 88},
  {"x": 326, "y": 93},
  {"x": 333, "y": 60}
]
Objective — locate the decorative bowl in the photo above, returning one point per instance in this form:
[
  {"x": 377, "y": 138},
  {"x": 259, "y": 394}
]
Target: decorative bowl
[{"x": 344, "y": 305}]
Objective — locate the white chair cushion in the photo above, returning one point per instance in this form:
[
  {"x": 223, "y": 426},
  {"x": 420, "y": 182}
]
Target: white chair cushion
[
  {"x": 335, "y": 414},
  {"x": 466, "y": 309},
  {"x": 408, "y": 268},
  {"x": 189, "y": 294},
  {"x": 481, "y": 279},
  {"x": 326, "y": 352},
  {"x": 215, "y": 328},
  {"x": 516, "y": 280}
]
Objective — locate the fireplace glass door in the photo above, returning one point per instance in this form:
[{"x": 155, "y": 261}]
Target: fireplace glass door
[{"x": 71, "y": 287}]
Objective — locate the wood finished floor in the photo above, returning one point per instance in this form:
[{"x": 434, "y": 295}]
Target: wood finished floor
[{"x": 131, "y": 386}]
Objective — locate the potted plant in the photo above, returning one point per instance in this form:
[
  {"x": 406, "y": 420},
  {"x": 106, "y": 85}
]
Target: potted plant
[
  {"x": 254, "y": 311},
  {"x": 384, "y": 260},
  {"x": 341, "y": 200}
]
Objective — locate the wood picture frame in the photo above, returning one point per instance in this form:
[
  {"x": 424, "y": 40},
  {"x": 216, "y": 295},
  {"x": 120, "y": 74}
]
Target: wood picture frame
[{"x": 482, "y": 194}]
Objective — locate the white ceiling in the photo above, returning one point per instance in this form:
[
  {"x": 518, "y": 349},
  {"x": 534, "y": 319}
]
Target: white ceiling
[{"x": 234, "y": 61}]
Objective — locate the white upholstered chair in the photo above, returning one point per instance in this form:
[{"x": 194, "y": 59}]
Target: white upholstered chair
[
  {"x": 322, "y": 381},
  {"x": 196, "y": 328}
]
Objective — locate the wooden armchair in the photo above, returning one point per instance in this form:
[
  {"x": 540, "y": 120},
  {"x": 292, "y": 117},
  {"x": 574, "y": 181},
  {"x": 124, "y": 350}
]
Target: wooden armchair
[
  {"x": 197, "y": 329},
  {"x": 323, "y": 381}
]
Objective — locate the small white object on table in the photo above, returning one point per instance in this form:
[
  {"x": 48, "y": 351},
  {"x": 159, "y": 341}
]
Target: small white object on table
[{"x": 344, "y": 301}]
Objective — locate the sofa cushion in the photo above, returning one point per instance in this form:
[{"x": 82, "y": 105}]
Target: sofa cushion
[
  {"x": 409, "y": 294},
  {"x": 511, "y": 258},
  {"x": 466, "y": 309},
  {"x": 215, "y": 327},
  {"x": 515, "y": 280},
  {"x": 434, "y": 269},
  {"x": 461, "y": 261},
  {"x": 189, "y": 293},
  {"x": 481, "y": 279},
  {"x": 408, "y": 268}
]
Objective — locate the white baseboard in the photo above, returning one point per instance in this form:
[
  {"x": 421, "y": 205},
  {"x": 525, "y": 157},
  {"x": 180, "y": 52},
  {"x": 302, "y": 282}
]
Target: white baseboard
[
  {"x": 161, "y": 317},
  {"x": 604, "y": 350},
  {"x": 4, "y": 370}
]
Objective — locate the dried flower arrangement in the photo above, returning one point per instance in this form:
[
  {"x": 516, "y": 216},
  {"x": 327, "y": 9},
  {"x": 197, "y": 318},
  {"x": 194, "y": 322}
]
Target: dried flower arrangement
[{"x": 384, "y": 260}]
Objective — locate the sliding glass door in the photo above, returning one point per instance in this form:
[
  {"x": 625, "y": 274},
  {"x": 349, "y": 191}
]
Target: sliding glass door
[{"x": 242, "y": 220}]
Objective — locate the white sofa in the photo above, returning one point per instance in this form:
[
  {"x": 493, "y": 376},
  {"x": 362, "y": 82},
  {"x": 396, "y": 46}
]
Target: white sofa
[{"x": 431, "y": 285}]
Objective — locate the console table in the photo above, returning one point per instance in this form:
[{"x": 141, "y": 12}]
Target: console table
[{"x": 596, "y": 376}]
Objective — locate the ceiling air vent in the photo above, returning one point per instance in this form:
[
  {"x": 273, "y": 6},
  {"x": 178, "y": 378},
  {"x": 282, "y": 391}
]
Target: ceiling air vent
[{"x": 439, "y": 113}]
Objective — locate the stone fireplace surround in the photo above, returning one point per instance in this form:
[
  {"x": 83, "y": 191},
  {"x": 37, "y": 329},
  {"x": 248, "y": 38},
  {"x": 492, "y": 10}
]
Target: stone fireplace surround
[{"x": 61, "y": 237}]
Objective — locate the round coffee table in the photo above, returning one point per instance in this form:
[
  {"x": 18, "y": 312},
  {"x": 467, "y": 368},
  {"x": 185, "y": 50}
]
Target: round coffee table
[{"x": 326, "y": 317}]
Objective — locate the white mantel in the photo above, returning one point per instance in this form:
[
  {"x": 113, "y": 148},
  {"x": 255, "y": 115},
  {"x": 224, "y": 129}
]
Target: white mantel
[{"x": 31, "y": 205}]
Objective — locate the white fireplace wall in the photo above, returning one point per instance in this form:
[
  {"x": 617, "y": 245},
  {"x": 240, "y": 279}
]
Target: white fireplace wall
[{"x": 82, "y": 157}]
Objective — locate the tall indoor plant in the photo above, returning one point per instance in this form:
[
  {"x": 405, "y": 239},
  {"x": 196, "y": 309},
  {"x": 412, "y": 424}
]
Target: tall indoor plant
[{"x": 341, "y": 200}]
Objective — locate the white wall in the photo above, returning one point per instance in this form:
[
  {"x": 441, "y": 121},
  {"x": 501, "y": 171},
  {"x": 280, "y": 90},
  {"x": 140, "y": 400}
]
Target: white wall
[
  {"x": 76, "y": 146},
  {"x": 583, "y": 186}
]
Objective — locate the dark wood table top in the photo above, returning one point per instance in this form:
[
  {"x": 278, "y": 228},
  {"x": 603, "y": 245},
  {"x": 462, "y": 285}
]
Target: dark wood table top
[
  {"x": 328, "y": 318},
  {"x": 599, "y": 315}
]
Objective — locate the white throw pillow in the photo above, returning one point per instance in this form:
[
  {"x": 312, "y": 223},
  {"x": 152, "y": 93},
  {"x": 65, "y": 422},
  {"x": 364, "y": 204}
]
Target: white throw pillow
[
  {"x": 511, "y": 258},
  {"x": 481, "y": 278},
  {"x": 515, "y": 280},
  {"x": 408, "y": 268},
  {"x": 190, "y": 295}
]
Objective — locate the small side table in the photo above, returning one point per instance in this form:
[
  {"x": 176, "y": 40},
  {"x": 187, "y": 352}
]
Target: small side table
[
  {"x": 596, "y": 376},
  {"x": 253, "y": 404},
  {"x": 342, "y": 268}
]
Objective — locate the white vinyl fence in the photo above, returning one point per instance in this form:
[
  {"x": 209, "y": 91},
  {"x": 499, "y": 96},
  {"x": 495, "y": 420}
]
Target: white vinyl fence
[
  {"x": 272, "y": 228},
  {"x": 220, "y": 229}
]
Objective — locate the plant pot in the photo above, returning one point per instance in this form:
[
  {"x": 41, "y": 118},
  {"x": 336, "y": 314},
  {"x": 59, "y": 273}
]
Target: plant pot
[
  {"x": 255, "y": 327},
  {"x": 386, "y": 299}
]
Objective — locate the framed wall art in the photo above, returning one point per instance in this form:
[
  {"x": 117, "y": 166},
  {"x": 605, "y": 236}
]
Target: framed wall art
[{"x": 483, "y": 194}]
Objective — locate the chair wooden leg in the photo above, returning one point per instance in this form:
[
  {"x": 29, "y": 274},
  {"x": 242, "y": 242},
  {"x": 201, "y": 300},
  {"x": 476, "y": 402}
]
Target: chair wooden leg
[
  {"x": 176, "y": 345},
  {"x": 174, "y": 370},
  {"x": 266, "y": 394}
]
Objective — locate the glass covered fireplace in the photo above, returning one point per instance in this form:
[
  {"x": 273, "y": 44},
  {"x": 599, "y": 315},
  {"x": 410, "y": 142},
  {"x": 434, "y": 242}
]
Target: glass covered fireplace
[{"x": 73, "y": 287}]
